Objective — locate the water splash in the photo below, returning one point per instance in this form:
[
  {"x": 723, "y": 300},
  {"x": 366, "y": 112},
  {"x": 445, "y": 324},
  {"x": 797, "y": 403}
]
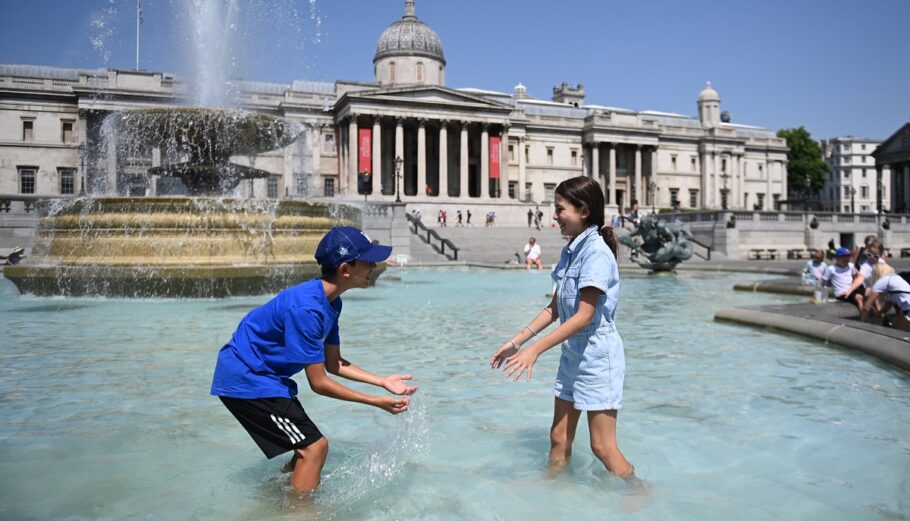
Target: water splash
[
  {"x": 102, "y": 25},
  {"x": 362, "y": 477}
]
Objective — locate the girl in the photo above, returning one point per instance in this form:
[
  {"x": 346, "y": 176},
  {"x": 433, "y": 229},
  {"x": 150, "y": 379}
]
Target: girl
[{"x": 592, "y": 365}]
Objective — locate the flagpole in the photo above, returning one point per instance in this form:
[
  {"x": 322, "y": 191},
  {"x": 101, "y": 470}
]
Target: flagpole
[{"x": 138, "y": 11}]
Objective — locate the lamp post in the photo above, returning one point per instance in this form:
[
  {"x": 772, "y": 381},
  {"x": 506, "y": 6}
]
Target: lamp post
[
  {"x": 398, "y": 163},
  {"x": 652, "y": 188}
]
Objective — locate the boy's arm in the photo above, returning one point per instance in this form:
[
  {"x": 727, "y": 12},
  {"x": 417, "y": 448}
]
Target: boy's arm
[
  {"x": 320, "y": 383},
  {"x": 337, "y": 365}
]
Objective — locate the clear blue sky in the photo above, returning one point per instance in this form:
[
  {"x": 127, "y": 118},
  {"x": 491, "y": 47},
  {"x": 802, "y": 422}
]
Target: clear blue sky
[{"x": 833, "y": 66}]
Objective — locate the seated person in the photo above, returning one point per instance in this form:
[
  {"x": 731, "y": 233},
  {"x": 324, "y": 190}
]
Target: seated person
[
  {"x": 532, "y": 254},
  {"x": 815, "y": 269},
  {"x": 890, "y": 288},
  {"x": 840, "y": 277}
]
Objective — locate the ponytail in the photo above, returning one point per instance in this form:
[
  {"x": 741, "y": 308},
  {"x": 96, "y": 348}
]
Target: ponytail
[{"x": 606, "y": 232}]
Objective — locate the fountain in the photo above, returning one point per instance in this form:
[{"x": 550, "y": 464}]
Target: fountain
[
  {"x": 204, "y": 244},
  {"x": 663, "y": 244}
]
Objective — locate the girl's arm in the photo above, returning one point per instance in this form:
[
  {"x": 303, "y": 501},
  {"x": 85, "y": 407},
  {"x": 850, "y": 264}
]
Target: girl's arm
[
  {"x": 524, "y": 360},
  {"x": 541, "y": 321},
  {"x": 337, "y": 365}
]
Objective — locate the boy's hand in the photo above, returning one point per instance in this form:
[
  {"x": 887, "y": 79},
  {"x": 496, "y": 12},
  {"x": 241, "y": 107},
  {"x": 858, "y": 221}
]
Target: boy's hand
[
  {"x": 393, "y": 404},
  {"x": 395, "y": 384},
  {"x": 505, "y": 351}
]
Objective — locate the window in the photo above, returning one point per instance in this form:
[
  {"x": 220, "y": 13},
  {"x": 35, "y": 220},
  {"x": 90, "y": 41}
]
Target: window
[
  {"x": 302, "y": 184},
  {"x": 66, "y": 131},
  {"x": 864, "y": 191},
  {"x": 28, "y": 129},
  {"x": 673, "y": 161},
  {"x": 723, "y": 165},
  {"x": 674, "y": 195},
  {"x": 846, "y": 159},
  {"x": 846, "y": 209},
  {"x": 328, "y": 143},
  {"x": 760, "y": 204},
  {"x": 846, "y": 191},
  {"x": 273, "y": 187},
  {"x": 574, "y": 157},
  {"x": 864, "y": 173},
  {"x": 761, "y": 169},
  {"x": 864, "y": 208},
  {"x": 67, "y": 181},
  {"x": 391, "y": 72},
  {"x": 846, "y": 173},
  {"x": 328, "y": 188},
  {"x": 513, "y": 187},
  {"x": 693, "y": 198},
  {"x": 549, "y": 192},
  {"x": 694, "y": 166},
  {"x": 846, "y": 148},
  {"x": 511, "y": 153},
  {"x": 549, "y": 157},
  {"x": 776, "y": 199},
  {"x": 528, "y": 187},
  {"x": 527, "y": 153},
  {"x": 27, "y": 180},
  {"x": 419, "y": 72},
  {"x": 863, "y": 147},
  {"x": 746, "y": 199}
]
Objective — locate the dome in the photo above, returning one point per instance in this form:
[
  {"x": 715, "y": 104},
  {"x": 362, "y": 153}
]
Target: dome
[
  {"x": 409, "y": 37},
  {"x": 708, "y": 93}
]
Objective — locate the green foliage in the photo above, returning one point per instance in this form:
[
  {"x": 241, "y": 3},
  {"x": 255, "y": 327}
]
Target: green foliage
[{"x": 806, "y": 167}]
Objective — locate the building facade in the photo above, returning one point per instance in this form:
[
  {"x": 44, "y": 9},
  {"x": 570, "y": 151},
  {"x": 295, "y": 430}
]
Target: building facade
[
  {"x": 853, "y": 185},
  {"x": 892, "y": 160},
  {"x": 455, "y": 145}
]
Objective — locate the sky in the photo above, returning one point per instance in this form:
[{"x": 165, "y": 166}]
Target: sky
[{"x": 835, "y": 67}]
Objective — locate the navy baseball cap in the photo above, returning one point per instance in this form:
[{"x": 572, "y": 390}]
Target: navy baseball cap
[
  {"x": 345, "y": 244},
  {"x": 842, "y": 252}
]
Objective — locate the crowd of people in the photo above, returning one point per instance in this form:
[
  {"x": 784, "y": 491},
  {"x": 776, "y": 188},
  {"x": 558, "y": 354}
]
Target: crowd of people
[{"x": 862, "y": 277}]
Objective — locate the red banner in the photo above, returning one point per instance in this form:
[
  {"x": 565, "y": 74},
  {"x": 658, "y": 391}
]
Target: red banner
[
  {"x": 365, "y": 146},
  {"x": 495, "y": 156}
]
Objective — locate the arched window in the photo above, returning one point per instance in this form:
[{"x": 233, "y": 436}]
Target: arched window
[
  {"x": 419, "y": 72},
  {"x": 391, "y": 72}
]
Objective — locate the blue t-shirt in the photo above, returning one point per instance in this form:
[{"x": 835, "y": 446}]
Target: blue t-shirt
[{"x": 276, "y": 341}]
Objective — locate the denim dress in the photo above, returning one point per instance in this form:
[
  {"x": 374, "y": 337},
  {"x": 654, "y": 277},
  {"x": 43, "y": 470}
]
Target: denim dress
[{"x": 592, "y": 366}]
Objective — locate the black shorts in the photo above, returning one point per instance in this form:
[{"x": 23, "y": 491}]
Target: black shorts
[
  {"x": 277, "y": 425},
  {"x": 851, "y": 298}
]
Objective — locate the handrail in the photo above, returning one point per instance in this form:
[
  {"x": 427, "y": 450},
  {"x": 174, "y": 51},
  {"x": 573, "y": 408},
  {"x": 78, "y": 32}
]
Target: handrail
[
  {"x": 431, "y": 234},
  {"x": 707, "y": 255}
]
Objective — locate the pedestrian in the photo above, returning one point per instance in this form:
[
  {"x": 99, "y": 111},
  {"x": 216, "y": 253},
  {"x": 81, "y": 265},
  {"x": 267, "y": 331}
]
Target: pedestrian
[
  {"x": 592, "y": 365},
  {"x": 298, "y": 331},
  {"x": 458, "y": 214},
  {"x": 444, "y": 218},
  {"x": 469, "y": 217},
  {"x": 539, "y": 216},
  {"x": 530, "y": 216}
]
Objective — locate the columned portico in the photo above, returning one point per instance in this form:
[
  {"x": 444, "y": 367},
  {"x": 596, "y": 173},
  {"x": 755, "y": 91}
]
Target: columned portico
[
  {"x": 637, "y": 191},
  {"x": 422, "y": 156},
  {"x": 485, "y": 161},
  {"x": 443, "y": 158},
  {"x": 463, "y": 162}
]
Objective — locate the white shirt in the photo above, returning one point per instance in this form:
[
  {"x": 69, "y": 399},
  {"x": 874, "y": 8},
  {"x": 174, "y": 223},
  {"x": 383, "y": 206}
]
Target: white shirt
[
  {"x": 840, "y": 278},
  {"x": 865, "y": 269},
  {"x": 892, "y": 287},
  {"x": 533, "y": 252}
]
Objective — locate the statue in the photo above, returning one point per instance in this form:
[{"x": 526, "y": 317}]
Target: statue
[{"x": 664, "y": 244}]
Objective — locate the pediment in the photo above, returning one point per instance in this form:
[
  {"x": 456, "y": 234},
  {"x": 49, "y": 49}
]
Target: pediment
[
  {"x": 431, "y": 95},
  {"x": 896, "y": 145}
]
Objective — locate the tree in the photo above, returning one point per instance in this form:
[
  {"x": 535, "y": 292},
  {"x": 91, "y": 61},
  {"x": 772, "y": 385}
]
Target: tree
[{"x": 806, "y": 168}]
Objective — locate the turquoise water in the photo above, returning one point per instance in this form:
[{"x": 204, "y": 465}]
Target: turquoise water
[{"x": 105, "y": 413}]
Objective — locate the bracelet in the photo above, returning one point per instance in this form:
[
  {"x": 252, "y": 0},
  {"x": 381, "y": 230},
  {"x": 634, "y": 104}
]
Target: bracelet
[
  {"x": 513, "y": 344},
  {"x": 533, "y": 334}
]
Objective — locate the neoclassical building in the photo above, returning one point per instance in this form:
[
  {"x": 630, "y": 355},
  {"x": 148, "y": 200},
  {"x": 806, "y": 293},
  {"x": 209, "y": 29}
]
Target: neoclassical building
[{"x": 404, "y": 136}]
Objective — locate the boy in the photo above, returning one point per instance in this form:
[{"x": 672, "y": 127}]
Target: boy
[
  {"x": 840, "y": 277},
  {"x": 298, "y": 331}
]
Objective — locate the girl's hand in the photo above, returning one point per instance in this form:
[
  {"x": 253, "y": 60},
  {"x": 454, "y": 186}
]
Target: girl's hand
[
  {"x": 395, "y": 384},
  {"x": 505, "y": 351},
  {"x": 519, "y": 363}
]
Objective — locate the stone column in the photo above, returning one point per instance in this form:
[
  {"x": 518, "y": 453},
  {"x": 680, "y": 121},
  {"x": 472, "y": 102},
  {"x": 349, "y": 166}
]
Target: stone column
[
  {"x": 377, "y": 151},
  {"x": 504, "y": 164},
  {"x": 522, "y": 170},
  {"x": 595, "y": 162},
  {"x": 717, "y": 180},
  {"x": 906, "y": 185},
  {"x": 768, "y": 204},
  {"x": 638, "y": 174},
  {"x": 653, "y": 177},
  {"x": 422, "y": 158},
  {"x": 733, "y": 198},
  {"x": 742, "y": 182},
  {"x": 783, "y": 181},
  {"x": 485, "y": 161},
  {"x": 612, "y": 173},
  {"x": 463, "y": 164},
  {"x": 703, "y": 159},
  {"x": 350, "y": 185},
  {"x": 399, "y": 152},
  {"x": 315, "y": 169},
  {"x": 443, "y": 159}
]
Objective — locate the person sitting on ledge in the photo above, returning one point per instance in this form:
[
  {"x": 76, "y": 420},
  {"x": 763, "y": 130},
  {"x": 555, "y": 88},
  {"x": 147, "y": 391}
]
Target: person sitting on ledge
[
  {"x": 840, "y": 276},
  {"x": 891, "y": 289},
  {"x": 815, "y": 269}
]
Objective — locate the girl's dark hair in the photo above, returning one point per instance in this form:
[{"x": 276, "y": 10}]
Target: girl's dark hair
[{"x": 584, "y": 192}]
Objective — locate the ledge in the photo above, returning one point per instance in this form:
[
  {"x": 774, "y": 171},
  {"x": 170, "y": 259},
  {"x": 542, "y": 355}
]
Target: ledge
[{"x": 834, "y": 323}]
